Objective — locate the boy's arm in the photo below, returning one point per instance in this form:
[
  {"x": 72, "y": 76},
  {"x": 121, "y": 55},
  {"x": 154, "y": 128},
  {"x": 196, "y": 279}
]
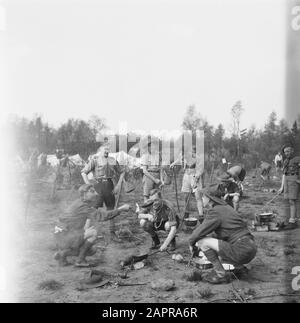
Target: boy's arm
[
  {"x": 169, "y": 238},
  {"x": 209, "y": 225},
  {"x": 89, "y": 167}
]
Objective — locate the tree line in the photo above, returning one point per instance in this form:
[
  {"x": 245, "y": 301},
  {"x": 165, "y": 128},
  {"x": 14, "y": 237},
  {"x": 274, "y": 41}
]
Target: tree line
[
  {"x": 79, "y": 136},
  {"x": 249, "y": 147}
]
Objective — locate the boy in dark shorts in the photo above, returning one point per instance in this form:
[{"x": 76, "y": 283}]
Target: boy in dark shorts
[
  {"x": 290, "y": 185},
  {"x": 234, "y": 243},
  {"x": 159, "y": 214}
]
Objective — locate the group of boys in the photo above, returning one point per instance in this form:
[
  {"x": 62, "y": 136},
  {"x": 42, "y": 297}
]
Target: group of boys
[{"x": 76, "y": 231}]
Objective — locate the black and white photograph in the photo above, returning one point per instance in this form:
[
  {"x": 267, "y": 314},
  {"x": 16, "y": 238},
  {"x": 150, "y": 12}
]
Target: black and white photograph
[{"x": 150, "y": 153}]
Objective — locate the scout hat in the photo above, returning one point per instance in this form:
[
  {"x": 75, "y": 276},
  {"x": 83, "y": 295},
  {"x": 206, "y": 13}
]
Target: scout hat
[{"x": 213, "y": 192}]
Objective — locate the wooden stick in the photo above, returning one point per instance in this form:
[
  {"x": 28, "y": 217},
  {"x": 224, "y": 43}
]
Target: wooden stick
[
  {"x": 176, "y": 191},
  {"x": 119, "y": 193},
  {"x": 212, "y": 172}
]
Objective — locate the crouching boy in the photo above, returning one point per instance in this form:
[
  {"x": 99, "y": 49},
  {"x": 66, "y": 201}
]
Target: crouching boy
[
  {"x": 159, "y": 214},
  {"x": 234, "y": 244},
  {"x": 76, "y": 231}
]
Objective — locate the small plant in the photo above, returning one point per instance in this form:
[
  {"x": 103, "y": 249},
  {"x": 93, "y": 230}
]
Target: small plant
[
  {"x": 189, "y": 294},
  {"x": 205, "y": 293},
  {"x": 193, "y": 276}
]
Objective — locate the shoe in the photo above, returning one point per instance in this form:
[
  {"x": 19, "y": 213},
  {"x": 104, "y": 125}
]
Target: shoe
[
  {"x": 62, "y": 260},
  {"x": 213, "y": 278},
  {"x": 290, "y": 226},
  {"x": 155, "y": 246},
  {"x": 241, "y": 272},
  {"x": 83, "y": 253},
  {"x": 155, "y": 243}
]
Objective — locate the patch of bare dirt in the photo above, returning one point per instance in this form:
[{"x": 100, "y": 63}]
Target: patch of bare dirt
[{"x": 269, "y": 277}]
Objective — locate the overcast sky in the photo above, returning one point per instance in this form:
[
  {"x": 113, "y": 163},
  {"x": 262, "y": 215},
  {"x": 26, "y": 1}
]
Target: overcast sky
[{"x": 142, "y": 62}]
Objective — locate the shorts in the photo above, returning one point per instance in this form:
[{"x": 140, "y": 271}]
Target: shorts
[
  {"x": 291, "y": 187},
  {"x": 279, "y": 164},
  {"x": 148, "y": 184},
  {"x": 105, "y": 194},
  {"x": 238, "y": 253},
  {"x": 69, "y": 239},
  {"x": 188, "y": 182}
]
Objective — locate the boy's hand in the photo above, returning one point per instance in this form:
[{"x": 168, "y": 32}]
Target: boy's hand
[
  {"x": 163, "y": 247},
  {"x": 157, "y": 181}
]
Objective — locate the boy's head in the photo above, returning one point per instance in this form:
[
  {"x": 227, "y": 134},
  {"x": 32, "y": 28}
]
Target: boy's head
[{"x": 87, "y": 193}]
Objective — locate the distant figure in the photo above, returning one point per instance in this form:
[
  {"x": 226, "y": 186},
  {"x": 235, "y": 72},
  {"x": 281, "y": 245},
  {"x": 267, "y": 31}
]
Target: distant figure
[
  {"x": 230, "y": 191},
  {"x": 290, "y": 184},
  {"x": 193, "y": 179},
  {"x": 108, "y": 175},
  {"x": 42, "y": 160},
  {"x": 59, "y": 153},
  {"x": 33, "y": 160},
  {"x": 152, "y": 171},
  {"x": 278, "y": 160},
  {"x": 265, "y": 170}
]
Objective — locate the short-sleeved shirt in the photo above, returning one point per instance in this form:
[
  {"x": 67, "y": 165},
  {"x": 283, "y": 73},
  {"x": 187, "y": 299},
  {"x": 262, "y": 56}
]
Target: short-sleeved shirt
[
  {"x": 224, "y": 221},
  {"x": 81, "y": 211},
  {"x": 291, "y": 166},
  {"x": 166, "y": 214},
  {"x": 77, "y": 214},
  {"x": 102, "y": 167},
  {"x": 151, "y": 161}
]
